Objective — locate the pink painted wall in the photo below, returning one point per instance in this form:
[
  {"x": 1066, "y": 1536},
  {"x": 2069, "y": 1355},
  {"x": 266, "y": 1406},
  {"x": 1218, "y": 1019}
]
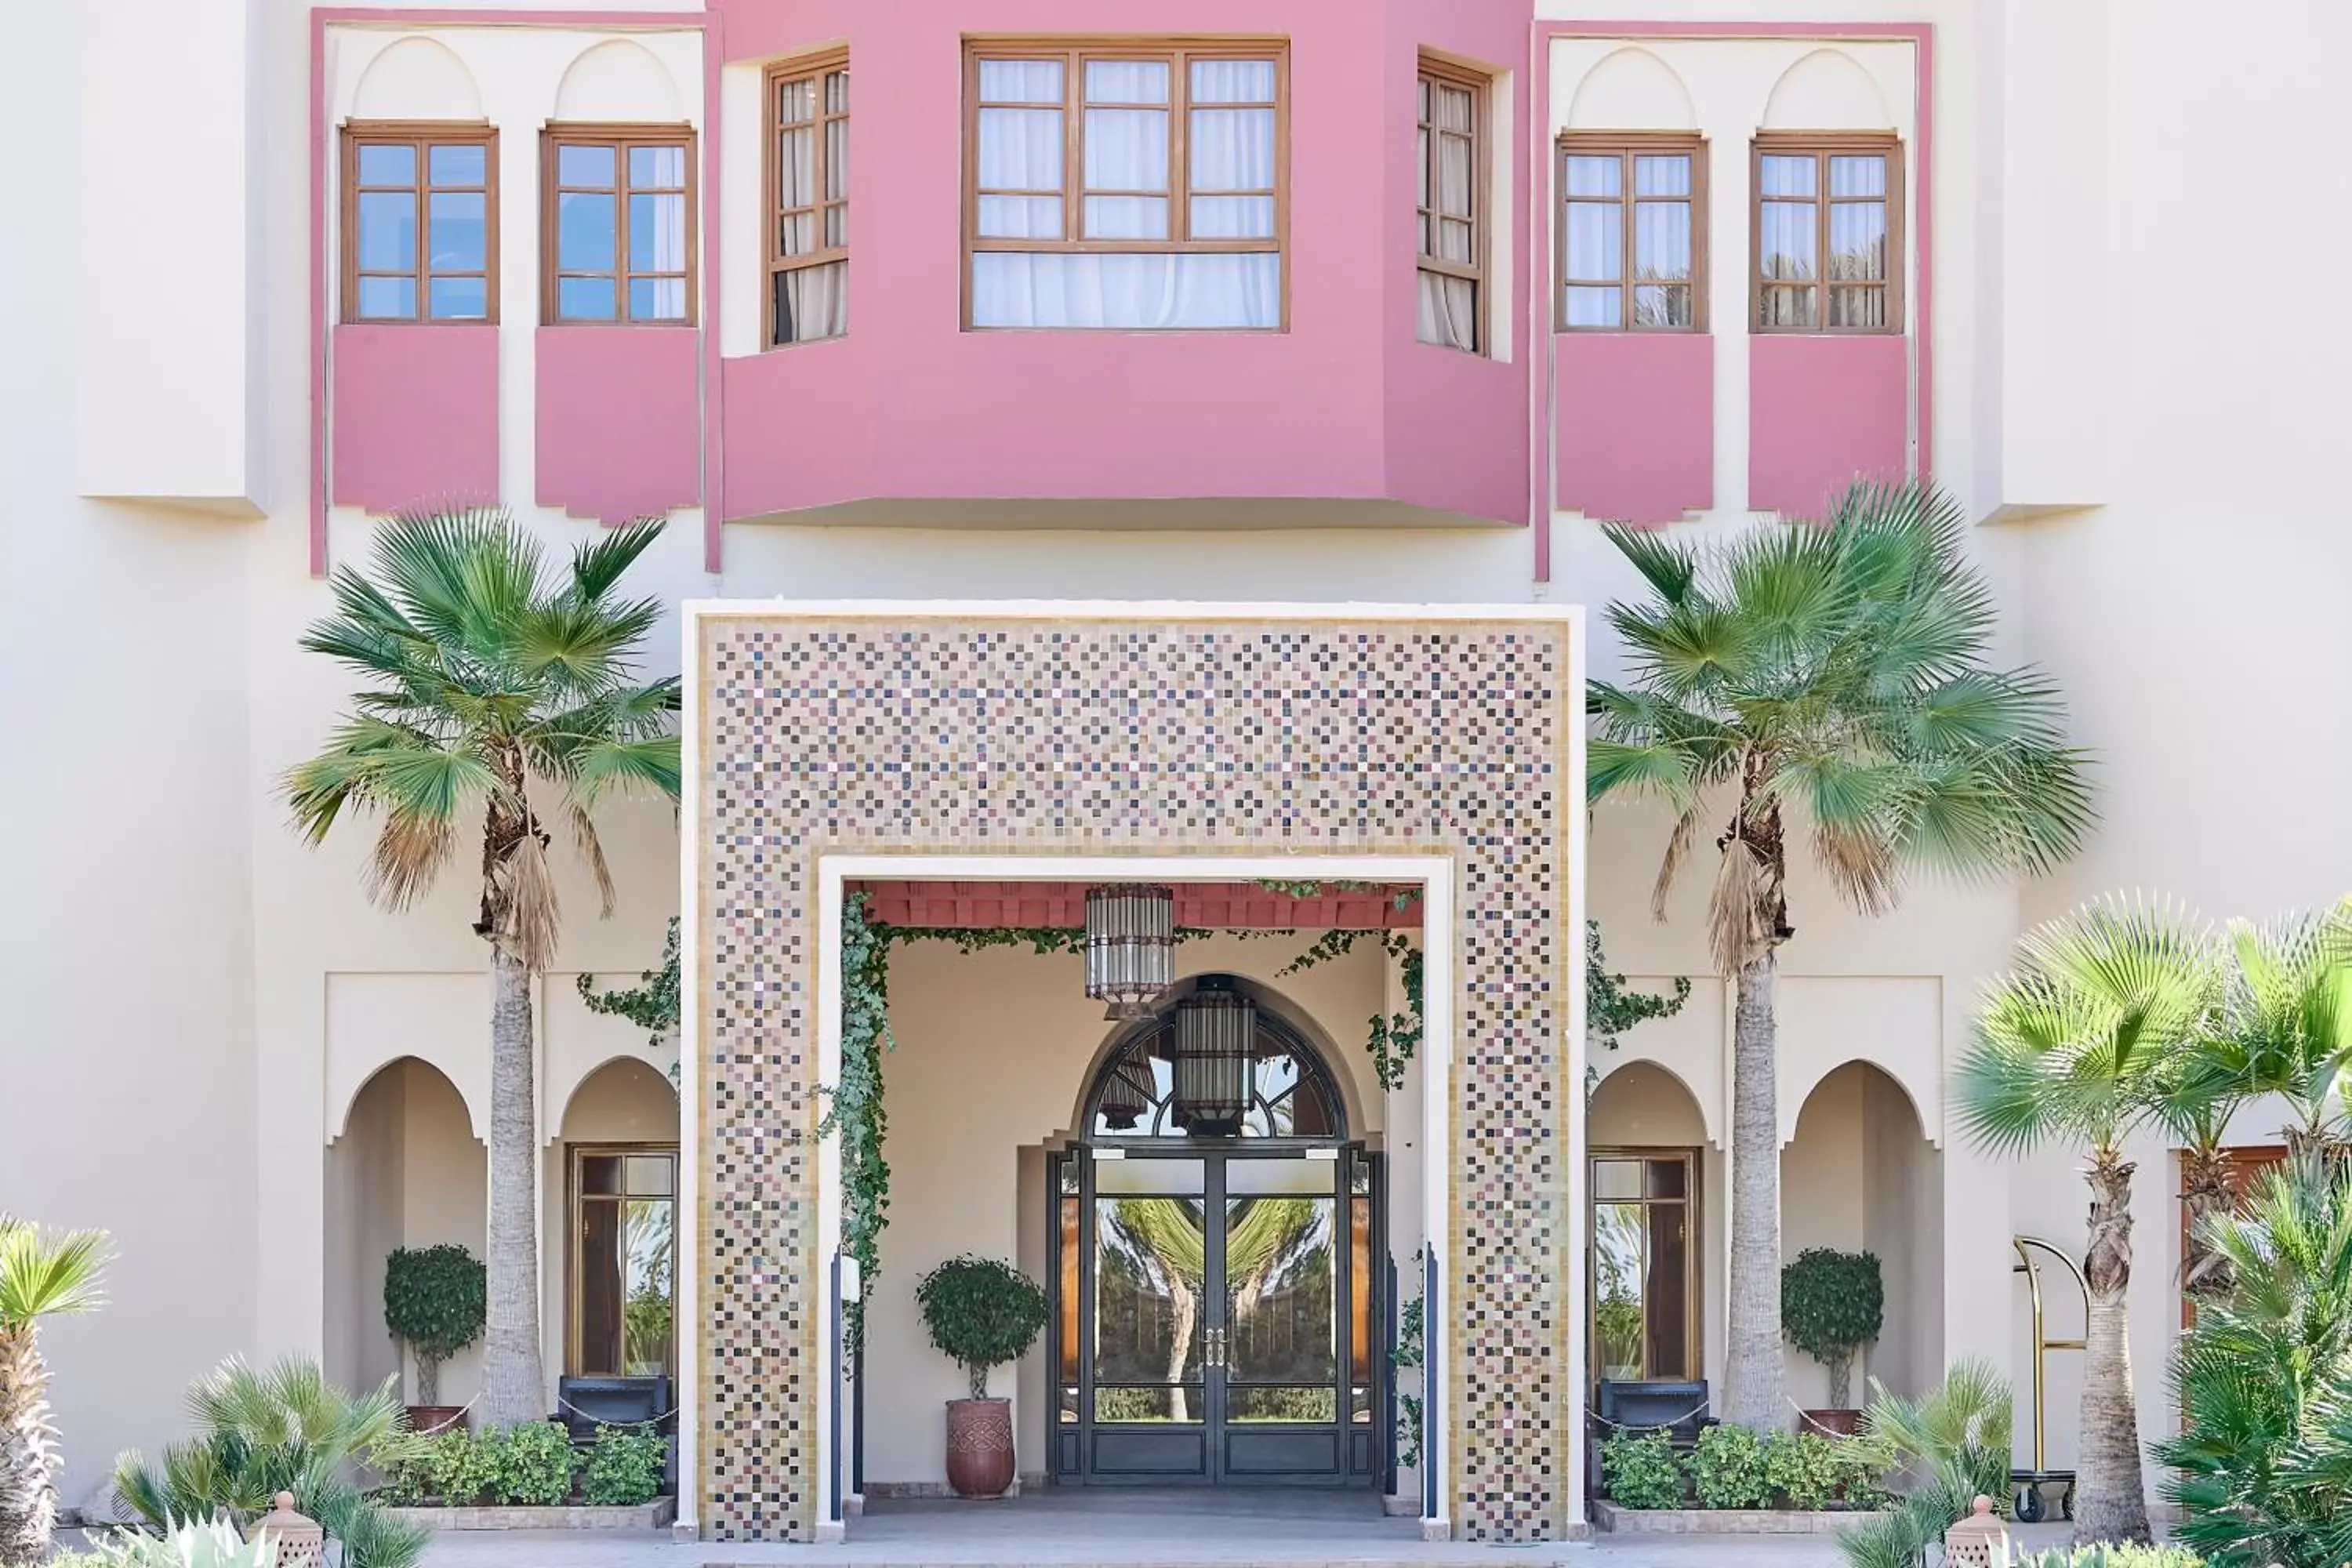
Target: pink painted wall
[
  {"x": 1822, "y": 412},
  {"x": 1343, "y": 405},
  {"x": 619, "y": 420},
  {"x": 415, "y": 414},
  {"x": 1634, "y": 423}
]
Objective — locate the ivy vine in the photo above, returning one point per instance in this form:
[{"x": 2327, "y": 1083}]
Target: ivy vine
[
  {"x": 1611, "y": 1010},
  {"x": 652, "y": 1003},
  {"x": 1391, "y": 1039},
  {"x": 853, "y": 1107}
]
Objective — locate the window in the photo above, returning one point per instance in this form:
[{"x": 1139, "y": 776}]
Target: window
[
  {"x": 623, "y": 1261},
  {"x": 1451, "y": 118},
  {"x": 1633, "y": 240},
  {"x": 616, "y": 224},
  {"x": 1646, "y": 1250},
  {"x": 1828, "y": 234},
  {"x": 420, "y": 235},
  {"x": 808, "y": 200},
  {"x": 1136, "y": 186}
]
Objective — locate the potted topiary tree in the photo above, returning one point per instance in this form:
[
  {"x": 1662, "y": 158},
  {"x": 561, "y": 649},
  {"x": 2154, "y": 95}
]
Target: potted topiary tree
[
  {"x": 981, "y": 1313},
  {"x": 1831, "y": 1304},
  {"x": 434, "y": 1301}
]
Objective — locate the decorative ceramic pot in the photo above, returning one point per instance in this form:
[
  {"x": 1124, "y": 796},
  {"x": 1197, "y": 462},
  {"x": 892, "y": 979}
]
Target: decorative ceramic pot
[
  {"x": 1831, "y": 1423},
  {"x": 431, "y": 1418},
  {"x": 979, "y": 1446}
]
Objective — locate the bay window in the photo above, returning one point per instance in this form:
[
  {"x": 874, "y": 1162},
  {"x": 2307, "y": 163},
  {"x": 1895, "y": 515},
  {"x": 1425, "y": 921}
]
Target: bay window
[
  {"x": 808, "y": 201},
  {"x": 1128, "y": 185},
  {"x": 1450, "y": 150}
]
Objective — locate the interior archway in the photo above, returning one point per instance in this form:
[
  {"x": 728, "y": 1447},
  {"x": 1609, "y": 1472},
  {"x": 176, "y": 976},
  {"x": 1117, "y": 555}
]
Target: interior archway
[{"x": 1862, "y": 1176}]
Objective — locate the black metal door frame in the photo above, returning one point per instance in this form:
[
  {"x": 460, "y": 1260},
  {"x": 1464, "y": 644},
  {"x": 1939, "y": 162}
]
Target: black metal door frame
[{"x": 1073, "y": 1445}]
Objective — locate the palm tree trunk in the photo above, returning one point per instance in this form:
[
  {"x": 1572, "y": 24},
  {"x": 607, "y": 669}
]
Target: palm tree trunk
[
  {"x": 2110, "y": 1494},
  {"x": 29, "y": 1451},
  {"x": 2204, "y": 1192},
  {"x": 1752, "y": 1394},
  {"x": 514, "y": 1388}
]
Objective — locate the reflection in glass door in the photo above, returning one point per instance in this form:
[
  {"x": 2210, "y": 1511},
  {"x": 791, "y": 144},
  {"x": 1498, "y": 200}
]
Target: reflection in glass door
[{"x": 1212, "y": 1326}]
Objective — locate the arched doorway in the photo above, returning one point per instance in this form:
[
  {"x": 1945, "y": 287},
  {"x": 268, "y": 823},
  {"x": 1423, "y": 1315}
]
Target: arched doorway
[{"x": 1218, "y": 1276}]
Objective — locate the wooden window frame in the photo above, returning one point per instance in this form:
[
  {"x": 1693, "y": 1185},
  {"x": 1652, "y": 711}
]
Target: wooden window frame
[
  {"x": 1436, "y": 69},
  {"x": 621, "y": 137},
  {"x": 423, "y": 135},
  {"x": 1694, "y": 1243},
  {"x": 574, "y": 1154},
  {"x": 1821, "y": 146},
  {"x": 1073, "y": 53},
  {"x": 801, "y": 68},
  {"x": 1625, "y": 146}
]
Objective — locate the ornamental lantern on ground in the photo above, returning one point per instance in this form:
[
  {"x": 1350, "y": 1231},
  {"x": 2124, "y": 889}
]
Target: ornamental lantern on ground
[
  {"x": 1130, "y": 947},
  {"x": 1979, "y": 1541},
  {"x": 1211, "y": 1058},
  {"x": 301, "y": 1542}
]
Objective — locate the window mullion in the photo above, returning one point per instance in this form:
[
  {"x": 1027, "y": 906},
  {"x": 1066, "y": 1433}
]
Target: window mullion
[
  {"x": 1074, "y": 149},
  {"x": 1179, "y": 148},
  {"x": 1626, "y": 213},
  {"x": 424, "y": 155},
  {"x": 1822, "y": 244},
  {"x": 621, "y": 311}
]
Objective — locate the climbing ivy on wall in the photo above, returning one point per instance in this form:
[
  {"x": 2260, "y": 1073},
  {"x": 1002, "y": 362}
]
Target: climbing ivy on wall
[{"x": 854, "y": 1108}]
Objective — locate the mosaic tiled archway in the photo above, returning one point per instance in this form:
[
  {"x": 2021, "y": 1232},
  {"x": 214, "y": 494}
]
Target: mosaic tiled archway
[{"x": 1081, "y": 730}]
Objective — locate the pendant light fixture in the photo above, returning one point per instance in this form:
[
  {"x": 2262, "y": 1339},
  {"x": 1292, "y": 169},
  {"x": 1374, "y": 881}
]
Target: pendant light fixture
[
  {"x": 1129, "y": 1091},
  {"x": 1212, "y": 1058},
  {"x": 1130, "y": 947}
]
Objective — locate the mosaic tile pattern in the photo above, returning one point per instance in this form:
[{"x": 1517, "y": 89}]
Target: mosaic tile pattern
[{"x": 1102, "y": 737}]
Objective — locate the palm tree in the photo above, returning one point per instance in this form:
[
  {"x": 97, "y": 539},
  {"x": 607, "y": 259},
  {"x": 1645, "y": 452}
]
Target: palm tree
[
  {"x": 502, "y": 694},
  {"x": 2072, "y": 1047},
  {"x": 1828, "y": 676},
  {"x": 2262, "y": 1463},
  {"x": 2290, "y": 1016},
  {"x": 42, "y": 1275}
]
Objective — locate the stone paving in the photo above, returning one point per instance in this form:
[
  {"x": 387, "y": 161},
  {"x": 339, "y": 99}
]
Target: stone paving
[{"x": 1134, "y": 1529}]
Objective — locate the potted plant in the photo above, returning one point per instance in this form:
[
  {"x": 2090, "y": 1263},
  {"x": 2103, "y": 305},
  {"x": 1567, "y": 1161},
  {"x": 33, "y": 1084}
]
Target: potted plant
[
  {"x": 981, "y": 1313},
  {"x": 1831, "y": 1304},
  {"x": 434, "y": 1301}
]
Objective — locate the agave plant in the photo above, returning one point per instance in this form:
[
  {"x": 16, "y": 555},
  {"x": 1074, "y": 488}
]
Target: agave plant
[
  {"x": 213, "y": 1544},
  {"x": 260, "y": 1433},
  {"x": 42, "y": 1275}
]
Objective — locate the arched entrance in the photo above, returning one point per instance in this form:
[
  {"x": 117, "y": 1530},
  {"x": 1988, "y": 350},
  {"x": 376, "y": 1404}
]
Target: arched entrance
[{"x": 1218, "y": 1276}]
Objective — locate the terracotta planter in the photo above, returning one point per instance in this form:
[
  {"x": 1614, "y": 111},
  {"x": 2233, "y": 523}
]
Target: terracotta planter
[
  {"x": 436, "y": 1417},
  {"x": 979, "y": 1446},
  {"x": 1831, "y": 1423}
]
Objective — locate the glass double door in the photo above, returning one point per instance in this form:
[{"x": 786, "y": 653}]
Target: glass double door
[{"x": 1215, "y": 1326}]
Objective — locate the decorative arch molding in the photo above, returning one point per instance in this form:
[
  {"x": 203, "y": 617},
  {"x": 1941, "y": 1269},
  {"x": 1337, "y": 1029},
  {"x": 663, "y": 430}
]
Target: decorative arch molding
[
  {"x": 416, "y": 79},
  {"x": 478, "y": 1116},
  {"x": 1709, "y": 1111},
  {"x": 1918, "y": 1096},
  {"x": 618, "y": 80},
  {"x": 1631, "y": 90},
  {"x": 1827, "y": 90},
  {"x": 561, "y": 1099}
]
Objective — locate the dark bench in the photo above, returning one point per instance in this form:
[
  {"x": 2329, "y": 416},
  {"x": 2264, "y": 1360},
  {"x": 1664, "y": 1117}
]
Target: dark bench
[
  {"x": 592, "y": 1402},
  {"x": 1680, "y": 1409}
]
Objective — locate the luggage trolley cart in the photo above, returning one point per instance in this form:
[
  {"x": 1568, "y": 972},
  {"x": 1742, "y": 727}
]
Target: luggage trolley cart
[{"x": 2029, "y": 1482}]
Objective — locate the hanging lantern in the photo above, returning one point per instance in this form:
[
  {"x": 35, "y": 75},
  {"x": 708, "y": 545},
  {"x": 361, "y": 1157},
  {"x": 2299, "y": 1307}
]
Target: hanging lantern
[
  {"x": 1130, "y": 947},
  {"x": 1128, "y": 1093},
  {"x": 1212, "y": 1060}
]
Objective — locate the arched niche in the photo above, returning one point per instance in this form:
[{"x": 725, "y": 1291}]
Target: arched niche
[
  {"x": 398, "y": 1077},
  {"x": 416, "y": 79},
  {"x": 1631, "y": 90},
  {"x": 624, "y": 1100},
  {"x": 1827, "y": 90},
  {"x": 618, "y": 81},
  {"x": 1641, "y": 1102},
  {"x": 1920, "y": 1099}
]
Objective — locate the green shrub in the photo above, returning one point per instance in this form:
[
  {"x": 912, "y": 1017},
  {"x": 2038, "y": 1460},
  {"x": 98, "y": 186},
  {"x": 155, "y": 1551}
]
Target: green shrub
[
  {"x": 454, "y": 1469},
  {"x": 433, "y": 1300},
  {"x": 624, "y": 1467},
  {"x": 1831, "y": 1304},
  {"x": 2115, "y": 1554},
  {"x": 1804, "y": 1470},
  {"x": 1732, "y": 1467},
  {"x": 982, "y": 1313},
  {"x": 1641, "y": 1471},
  {"x": 532, "y": 1466}
]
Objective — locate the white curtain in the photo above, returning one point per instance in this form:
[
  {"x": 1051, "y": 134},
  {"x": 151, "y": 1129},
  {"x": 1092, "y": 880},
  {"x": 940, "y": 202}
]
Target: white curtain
[
  {"x": 1142, "y": 292},
  {"x": 813, "y": 302},
  {"x": 1449, "y": 311}
]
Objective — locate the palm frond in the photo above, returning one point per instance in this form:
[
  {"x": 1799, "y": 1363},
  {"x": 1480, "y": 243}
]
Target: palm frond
[
  {"x": 1669, "y": 566},
  {"x": 599, "y": 564},
  {"x": 50, "y": 1274}
]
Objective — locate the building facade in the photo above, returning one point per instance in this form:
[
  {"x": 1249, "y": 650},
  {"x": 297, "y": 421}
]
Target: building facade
[{"x": 1364, "y": 314}]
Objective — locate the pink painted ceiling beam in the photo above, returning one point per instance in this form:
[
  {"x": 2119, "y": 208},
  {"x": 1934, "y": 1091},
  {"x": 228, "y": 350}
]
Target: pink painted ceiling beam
[{"x": 1209, "y": 906}]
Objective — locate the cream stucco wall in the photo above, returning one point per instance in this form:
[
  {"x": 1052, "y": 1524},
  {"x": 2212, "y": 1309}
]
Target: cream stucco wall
[{"x": 194, "y": 998}]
